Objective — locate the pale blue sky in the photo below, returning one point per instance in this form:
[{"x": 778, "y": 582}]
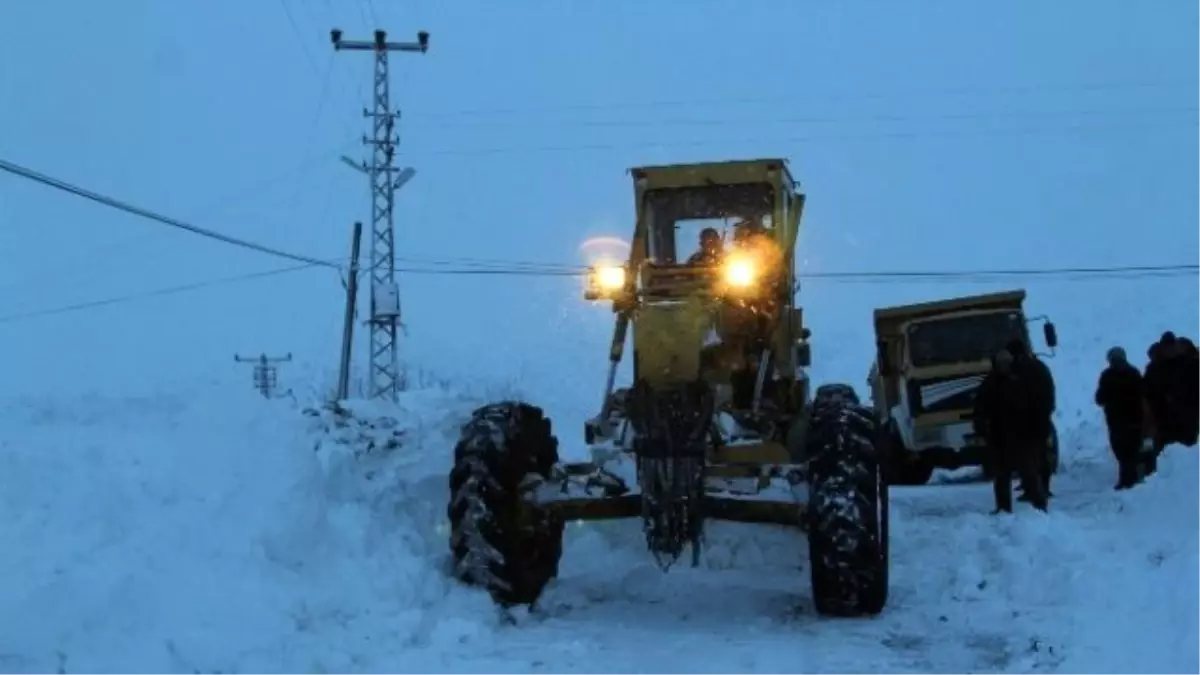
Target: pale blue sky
[{"x": 929, "y": 134}]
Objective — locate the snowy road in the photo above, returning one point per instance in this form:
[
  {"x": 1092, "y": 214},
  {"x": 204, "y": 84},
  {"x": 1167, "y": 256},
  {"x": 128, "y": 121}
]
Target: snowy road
[{"x": 158, "y": 535}]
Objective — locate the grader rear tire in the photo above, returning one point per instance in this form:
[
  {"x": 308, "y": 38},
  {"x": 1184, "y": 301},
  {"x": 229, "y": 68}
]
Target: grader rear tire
[
  {"x": 848, "y": 506},
  {"x": 498, "y": 539}
]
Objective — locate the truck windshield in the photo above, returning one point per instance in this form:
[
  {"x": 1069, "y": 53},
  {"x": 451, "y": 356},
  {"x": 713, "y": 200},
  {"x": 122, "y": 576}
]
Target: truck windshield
[{"x": 962, "y": 339}]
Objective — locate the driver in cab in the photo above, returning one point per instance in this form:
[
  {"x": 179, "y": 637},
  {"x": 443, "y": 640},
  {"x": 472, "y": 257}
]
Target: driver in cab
[
  {"x": 751, "y": 236},
  {"x": 712, "y": 248}
]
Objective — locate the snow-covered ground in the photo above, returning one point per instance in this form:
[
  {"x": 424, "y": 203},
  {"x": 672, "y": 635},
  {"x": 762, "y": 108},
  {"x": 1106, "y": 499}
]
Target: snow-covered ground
[
  {"x": 210, "y": 530},
  {"x": 200, "y": 528}
]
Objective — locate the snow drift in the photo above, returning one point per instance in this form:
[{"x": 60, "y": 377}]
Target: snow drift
[
  {"x": 204, "y": 533},
  {"x": 214, "y": 533}
]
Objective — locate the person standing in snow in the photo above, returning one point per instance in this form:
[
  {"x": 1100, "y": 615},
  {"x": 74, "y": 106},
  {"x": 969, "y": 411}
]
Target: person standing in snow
[
  {"x": 1119, "y": 394},
  {"x": 1171, "y": 381},
  {"x": 1000, "y": 414},
  {"x": 1037, "y": 385},
  {"x": 1186, "y": 377}
]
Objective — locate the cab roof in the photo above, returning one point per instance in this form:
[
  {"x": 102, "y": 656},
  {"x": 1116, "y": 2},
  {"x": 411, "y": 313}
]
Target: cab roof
[{"x": 701, "y": 174}]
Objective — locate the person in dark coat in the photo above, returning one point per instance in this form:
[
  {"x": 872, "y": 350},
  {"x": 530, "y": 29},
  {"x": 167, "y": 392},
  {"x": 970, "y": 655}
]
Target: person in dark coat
[
  {"x": 1037, "y": 383},
  {"x": 1189, "y": 377},
  {"x": 1171, "y": 384},
  {"x": 1154, "y": 388},
  {"x": 1185, "y": 372},
  {"x": 1000, "y": 413},
  {"x": 1119, "y": 394},
  {"x": 711, "y": 248}
]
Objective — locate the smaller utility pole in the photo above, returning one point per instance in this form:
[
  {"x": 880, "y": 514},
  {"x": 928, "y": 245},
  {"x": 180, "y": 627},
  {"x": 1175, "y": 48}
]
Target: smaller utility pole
[
  {"x": 265, "y": 372},
  {"x": 343, "y": 388}
]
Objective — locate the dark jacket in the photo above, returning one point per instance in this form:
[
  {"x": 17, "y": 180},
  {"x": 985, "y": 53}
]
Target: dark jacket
[
  {"x": 1164, "y": 376},
  {"x": 1037, "y": 385},
  {"x": 1000, "y": 410},
  {"x": 1119, "y": 393},
  {"x": 1189, "y": 375}
]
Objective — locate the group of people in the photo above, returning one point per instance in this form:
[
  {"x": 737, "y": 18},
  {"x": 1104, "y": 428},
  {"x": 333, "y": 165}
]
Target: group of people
[
  {"x": 747, "y": 233},
  {"x": 1144, "y": 412},
  {"x": 1014, "y": 409},
  {"x": 746, "y": 326},
  {"x": 1161, "y": 405}
]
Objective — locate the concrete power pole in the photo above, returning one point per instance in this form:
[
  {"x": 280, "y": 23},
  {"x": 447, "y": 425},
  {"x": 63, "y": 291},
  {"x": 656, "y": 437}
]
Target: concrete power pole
[{"x": 384, "y": 380}]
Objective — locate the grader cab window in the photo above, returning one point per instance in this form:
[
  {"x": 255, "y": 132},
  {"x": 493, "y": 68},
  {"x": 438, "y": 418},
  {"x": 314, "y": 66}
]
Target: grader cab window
[{"x": 677, "y": 216}]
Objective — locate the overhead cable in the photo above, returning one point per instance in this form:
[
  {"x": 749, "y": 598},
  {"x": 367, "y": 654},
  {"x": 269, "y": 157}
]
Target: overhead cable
[{"x": 25, "y": 172}]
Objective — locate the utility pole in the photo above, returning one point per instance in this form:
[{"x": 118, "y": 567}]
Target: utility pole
[
  {"x": 265, "y": 375},
  {"x": 343, "y": 388},
  {"x": 385, "y": 178}
]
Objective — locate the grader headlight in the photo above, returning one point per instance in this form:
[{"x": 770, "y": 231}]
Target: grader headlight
[
  {"x": 605, "y": 281},
  {"x": 740, "y": 271}
]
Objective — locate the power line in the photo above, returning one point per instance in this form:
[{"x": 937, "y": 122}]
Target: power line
[
  {"x": 1064, "y": 274},
  {"x": 649, "y": 145},
  {"x": 298, "y": 34},
  {"x": 963, "y": 276},
  {"x": 468, "y": 266},
  {"x": 333, "y": 263},
  {"x": 150, "y": 215},
  {"x": 492, "y": 263},
  {"x": 810, "y": 97},
  {"x": 170, "y": 290},
  {"x": 1026, "y": 272},
  {"x": 111, "y": 254},
  {"x": 823, "y": 119},
  {"x": 513, "y": 272},
  {"x": 322, "y": 97},
  {"x": 300, "y": 38},
  {"x": 366, "y": 23},
  {"x": 374, "y": 15},
  {"x": 1133, "y": 271}
]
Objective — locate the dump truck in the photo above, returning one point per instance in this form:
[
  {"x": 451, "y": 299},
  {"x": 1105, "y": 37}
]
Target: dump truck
[
  {"x": 931, "y": 358},
  {"x": 719, "y": 420}
]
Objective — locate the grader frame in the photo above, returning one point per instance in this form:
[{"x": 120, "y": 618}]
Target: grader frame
[
  {"x": 718, "y": 423},
  {"x": 669, "y": 304}
]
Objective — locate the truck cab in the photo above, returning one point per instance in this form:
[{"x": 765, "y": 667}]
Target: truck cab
[{"x": 931, "y": 358}]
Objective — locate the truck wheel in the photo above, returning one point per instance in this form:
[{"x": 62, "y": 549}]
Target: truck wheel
[
  {"x": 848, "y": 506},
  {"x": 499, "y": 539}
]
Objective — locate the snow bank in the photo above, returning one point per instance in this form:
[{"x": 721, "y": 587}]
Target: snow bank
[
  {"x": 206, "y": 533},
  {"x": 218, "y": 532},
  {"x": 1139, "y": 605}
]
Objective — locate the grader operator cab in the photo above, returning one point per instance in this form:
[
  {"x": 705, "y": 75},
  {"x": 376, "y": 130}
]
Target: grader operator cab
[
  {"x": 931, "y": 359},
  {"x": 717, "y": 423}
]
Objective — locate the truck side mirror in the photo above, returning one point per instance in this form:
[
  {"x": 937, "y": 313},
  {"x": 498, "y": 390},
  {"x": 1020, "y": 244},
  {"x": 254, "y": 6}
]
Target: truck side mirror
[
  {"x": 885, "y": 363},
  {"x": 1051, "y": 334},
  {"x": 803, "y": 354}
]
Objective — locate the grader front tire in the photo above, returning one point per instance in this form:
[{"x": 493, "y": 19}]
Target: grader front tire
[
  {"x": 498, "y": 540},
  {"x": 848, "y": 506}
]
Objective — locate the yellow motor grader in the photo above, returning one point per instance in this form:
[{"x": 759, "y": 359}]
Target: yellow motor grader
[{"x": 718, "y": 421}]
